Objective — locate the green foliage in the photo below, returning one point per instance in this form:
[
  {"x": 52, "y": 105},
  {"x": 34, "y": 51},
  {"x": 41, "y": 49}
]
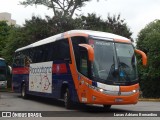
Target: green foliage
[
  {"x": 149, "y": 42},
  {"x": 38, "y": 28},
  {"x": 112, "y": 24},
  {"x": 117, "y": 25},
  {"x": 4, "y": 32},
  {"x": 33, "y": 30},
  {"x": 14, "y": 41}
]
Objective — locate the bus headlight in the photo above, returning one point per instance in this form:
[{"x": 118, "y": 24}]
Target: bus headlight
[
  {"x": 101, "y": 90},
  {"x": 134, "y": 91},
  {"x": 95, "y": 88}
]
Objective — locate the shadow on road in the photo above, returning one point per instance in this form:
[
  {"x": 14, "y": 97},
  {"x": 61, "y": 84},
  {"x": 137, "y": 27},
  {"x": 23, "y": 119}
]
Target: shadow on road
[
  {"x": 76, "y": 106},
  {"x": 79, "y": 110}
]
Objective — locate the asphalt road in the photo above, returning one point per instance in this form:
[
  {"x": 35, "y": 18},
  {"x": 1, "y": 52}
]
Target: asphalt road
[{"x": 13, "y": 102}]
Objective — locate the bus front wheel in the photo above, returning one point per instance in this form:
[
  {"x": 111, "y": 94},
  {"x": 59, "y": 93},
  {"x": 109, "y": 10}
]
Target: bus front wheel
[
  {"x": 67, "y": 99},
  {"x": 23, "y": 91}
]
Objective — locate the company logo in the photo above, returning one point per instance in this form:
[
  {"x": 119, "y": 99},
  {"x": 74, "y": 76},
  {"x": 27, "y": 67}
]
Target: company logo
[
  {"x": 38, "y": 70},
  {"x": 6, "y": 114}
]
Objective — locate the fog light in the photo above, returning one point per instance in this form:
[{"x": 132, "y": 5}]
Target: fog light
[
  {"x": 93, "y": 98},
  {"x": 134, "y": 91}
]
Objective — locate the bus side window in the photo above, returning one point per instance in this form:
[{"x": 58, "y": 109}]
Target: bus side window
[
  {"x": 50, "y": 52},
  {"x": 37, "y": 57},
  {"x": 19, "y": 59},
  {"x": 27, "y": 61},
  {"x": 83, "y": 62},
  {"x": 46, "y": 52},
  {"x": 75, "y": 42},
  {"x": 34, "y": 55},
  {"x": 61, "y": 50},
  {"x": 16, "y": 63}
]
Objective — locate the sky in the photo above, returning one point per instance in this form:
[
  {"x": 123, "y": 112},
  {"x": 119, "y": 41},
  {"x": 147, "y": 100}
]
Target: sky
[{"x": 137, "y": 13}]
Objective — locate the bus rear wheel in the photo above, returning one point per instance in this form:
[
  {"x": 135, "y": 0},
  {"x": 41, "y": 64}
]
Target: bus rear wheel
[
  {"x": 106, "y": 107},
  {"x": 23, "y": 91},
  {"x": 67, "y": 99}
]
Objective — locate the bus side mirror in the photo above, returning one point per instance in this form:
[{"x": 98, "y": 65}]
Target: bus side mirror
[
  {"x": 90, "y": 51},
  {"x": 144, "y": 57},
  {"x": 10, "y": 69}
]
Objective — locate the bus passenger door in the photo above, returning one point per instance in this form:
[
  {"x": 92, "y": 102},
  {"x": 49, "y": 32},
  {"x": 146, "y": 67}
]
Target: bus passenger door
[{"x": 83, "y": 75}]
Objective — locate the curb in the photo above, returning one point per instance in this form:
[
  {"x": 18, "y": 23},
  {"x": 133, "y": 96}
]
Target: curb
[{"x": 150, "y": 99}]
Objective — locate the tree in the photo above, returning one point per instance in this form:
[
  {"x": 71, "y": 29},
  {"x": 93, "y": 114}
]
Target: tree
[
  {"x": 13, "y": 41},
  {"x": 113, "y": 24},
  {"x": 4, "y": 33},
  {"x": 117, "y": 25},
  {"x": 33, "y": 30},
  {"x": 63, "y": 7},
  {"x": 60, "y": 24},
  {"x": 37, "y": 29},
  {"x": 149, "y": 42}
]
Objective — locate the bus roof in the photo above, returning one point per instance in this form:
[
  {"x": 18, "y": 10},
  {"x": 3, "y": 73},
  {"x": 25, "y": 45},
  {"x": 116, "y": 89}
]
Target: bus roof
[
  {"x": 2, "y": 59},
  {"x": 71, "y": 33}
]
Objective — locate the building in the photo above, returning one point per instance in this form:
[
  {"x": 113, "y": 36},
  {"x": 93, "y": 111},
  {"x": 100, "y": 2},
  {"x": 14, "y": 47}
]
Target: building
[{"x": 7, "y": 17}]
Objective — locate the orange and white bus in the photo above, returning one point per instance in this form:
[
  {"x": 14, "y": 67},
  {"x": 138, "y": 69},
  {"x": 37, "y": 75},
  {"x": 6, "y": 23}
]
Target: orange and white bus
[{"x": 83, "y": 66}]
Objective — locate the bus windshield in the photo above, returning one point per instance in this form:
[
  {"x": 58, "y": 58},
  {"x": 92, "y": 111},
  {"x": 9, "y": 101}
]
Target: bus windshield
[
  {"x": 127, "y": 62},
  {"x": 2, "y": 70},
  {"x": 107, "y": 55},
  {"x": 2, "y": 63},
  {"x": 104, "y": 59}
]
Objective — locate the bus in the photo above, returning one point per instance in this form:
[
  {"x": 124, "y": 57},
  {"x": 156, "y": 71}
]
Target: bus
[
  {"x": 79, "y": 66},
  {"x": 4, "y": 72}
]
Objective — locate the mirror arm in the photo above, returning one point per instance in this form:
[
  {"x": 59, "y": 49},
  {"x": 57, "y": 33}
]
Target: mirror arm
[
  {"x": 90, "y": 51},
  {"x": 144, "y": 57}
]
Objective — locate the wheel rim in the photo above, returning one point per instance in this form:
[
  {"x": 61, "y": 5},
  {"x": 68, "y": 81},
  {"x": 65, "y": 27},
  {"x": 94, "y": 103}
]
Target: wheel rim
[
  {"x": 65, "y": 98},
  {"x": 23, "y": 91}
]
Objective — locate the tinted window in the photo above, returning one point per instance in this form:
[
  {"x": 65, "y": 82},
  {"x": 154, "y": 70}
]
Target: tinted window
[
  {"x": 2, "y": 63},
  {"x": 104, "y": 59},
  {"x": 75, "y": 42},
  {"x": 19, "y": 59},
  {"x": 58, "y": 50},
  {"x": 61, "y": 50},
  {"x": 127, "y": 62},
  {"x": 83, "y": 67}
]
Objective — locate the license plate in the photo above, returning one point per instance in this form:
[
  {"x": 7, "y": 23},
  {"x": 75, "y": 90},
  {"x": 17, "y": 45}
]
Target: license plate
[{"x": 118, "y": 100}]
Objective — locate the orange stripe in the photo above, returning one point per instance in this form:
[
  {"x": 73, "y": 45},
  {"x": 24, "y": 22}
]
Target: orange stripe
[
  {"x": 73, "y": 65},
  {"x": 129, "y": 88},
  {"x": 123, "y": 41},
  {"x": 66, "y": 35}
]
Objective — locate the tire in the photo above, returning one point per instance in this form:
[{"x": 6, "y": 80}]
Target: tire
[
  {"x": 23, "y": 91},
  {"x": 106, "y": 107},
  {"x": 67, "y": 99}
]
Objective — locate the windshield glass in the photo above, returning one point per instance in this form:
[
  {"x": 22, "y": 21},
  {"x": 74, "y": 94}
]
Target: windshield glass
[
  {"x": 2, "y": 70},
  {"x": 104, "y": 59},
  {"x": 127, "y": 62},
  {"x": 2, "y": 63},
  {"x": 114, "y": 63}
]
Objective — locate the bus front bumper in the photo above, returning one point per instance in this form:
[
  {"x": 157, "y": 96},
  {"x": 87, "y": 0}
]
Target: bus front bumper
[
  {"x": 127, "y": 95},
  {"x": 113, "y": 100}
]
